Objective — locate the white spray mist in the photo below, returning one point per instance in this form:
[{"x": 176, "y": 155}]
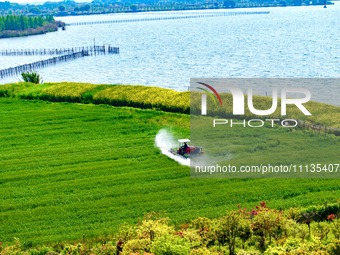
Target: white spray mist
[{"x": 164, "y": 140}]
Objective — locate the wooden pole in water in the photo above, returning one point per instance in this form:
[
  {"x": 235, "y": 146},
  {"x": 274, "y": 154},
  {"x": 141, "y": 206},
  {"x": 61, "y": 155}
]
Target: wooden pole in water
[{"x": 94, "y": 46}]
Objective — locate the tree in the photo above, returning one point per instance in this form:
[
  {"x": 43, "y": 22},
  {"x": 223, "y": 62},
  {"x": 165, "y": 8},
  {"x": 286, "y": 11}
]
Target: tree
[
  {"x": 297, "y": 2},
  {"x": 49, "y": 18},
  {"x": 234, "y": 225},
  {"x": 23, "y": 22},
  {"x": 133, "y": 7},
  {"x": 85, "y": 8},
  {"x": 5, "y": 5},
  {"x": 62, "y": 8},
  {"x": 229, "y": 4},
  {"x": 2, "y": 25},
  {"x": 34, "y": 10},
  {"x": 266, "y": 224}
]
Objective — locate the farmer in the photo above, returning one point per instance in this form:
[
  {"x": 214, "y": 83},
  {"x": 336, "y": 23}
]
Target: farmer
[{"x": 185, "y": 146}]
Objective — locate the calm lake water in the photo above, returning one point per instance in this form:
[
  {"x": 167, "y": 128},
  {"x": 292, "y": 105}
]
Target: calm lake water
[{"x": 288, "y": 42}]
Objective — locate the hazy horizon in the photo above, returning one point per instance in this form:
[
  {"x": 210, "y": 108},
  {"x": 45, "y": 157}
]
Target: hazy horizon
[{"x": 40, "y": 1}]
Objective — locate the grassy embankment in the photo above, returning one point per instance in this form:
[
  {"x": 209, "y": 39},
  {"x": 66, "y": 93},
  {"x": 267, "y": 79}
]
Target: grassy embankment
[{"x": 70, "y": 171}]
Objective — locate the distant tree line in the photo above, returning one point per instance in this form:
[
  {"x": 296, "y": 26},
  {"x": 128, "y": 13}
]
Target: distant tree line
[
  {"x": 21, "y": 22},
  {"x": 70, "y": 7},
  {"x": 21, "y": 25}
]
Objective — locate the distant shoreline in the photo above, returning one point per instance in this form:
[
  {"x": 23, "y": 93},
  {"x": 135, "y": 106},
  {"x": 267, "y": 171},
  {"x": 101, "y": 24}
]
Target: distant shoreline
[
  {"x": 67, "y": 14},
  {"x": 50, "y": 27}
]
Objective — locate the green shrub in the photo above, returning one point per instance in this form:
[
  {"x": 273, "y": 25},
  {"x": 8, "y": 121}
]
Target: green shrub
[
  {"x": 321, "y": 230},
  {"x": 336, "y": 228},
  {"x": 104, "y": 249},
  {"x": 205, "y": 229},
  {"x": 274, "y": 233},
  {"x": 170, "y": 245},
  {"x": 275, "y": 250},
  {"x": 76, "y": 249},
  {"x": 136, "y": 246},
  {"x": 191, "y": 236},
  {"x": 334, "y": 247},
  {"x": 293, "y": 214},
  {"x": 14, "y": 249},
  {"x": 32, "y": 77},
  {"x": 125, "y": 233},
  {"x": 41, "y": 251},
  {"x": 248, "y": 252},
  {"x": 152, "y": 228},
  {"x": 200, "y": 251}
]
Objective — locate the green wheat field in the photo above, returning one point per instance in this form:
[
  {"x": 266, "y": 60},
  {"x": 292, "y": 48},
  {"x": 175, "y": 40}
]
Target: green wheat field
[{"x": 79, "y": 160}]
